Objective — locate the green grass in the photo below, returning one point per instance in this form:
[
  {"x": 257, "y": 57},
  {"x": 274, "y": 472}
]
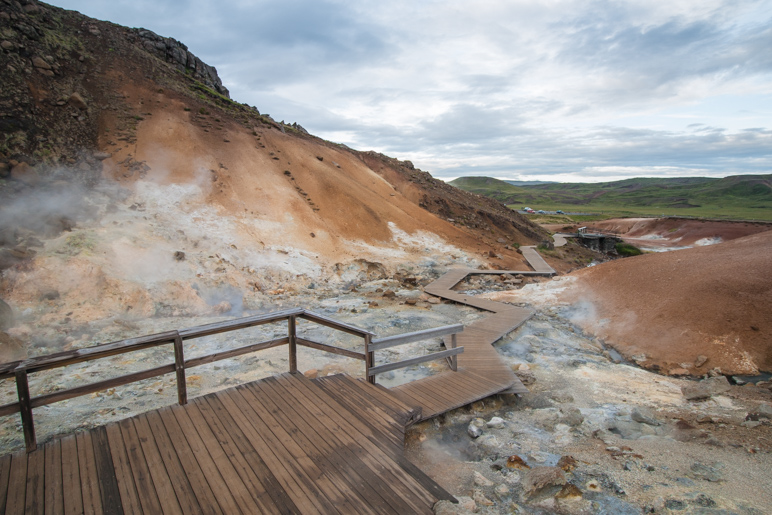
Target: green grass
[
  {"x": 626, "y": 250},
  {"x": 746, "y": 197}
]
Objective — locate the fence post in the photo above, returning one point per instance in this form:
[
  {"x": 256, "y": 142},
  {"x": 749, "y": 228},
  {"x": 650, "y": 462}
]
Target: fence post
[
  {"x": 179, "y": 366},
  {"x": 293, "y": 353},
  {"x": 369, "y": 360},
  {"x": 454, "y": 358},
  {"x": 25, "y": 409}
]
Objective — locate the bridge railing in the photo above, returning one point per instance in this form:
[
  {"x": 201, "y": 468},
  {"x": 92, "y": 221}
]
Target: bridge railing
[
  {"x": 20, "y": 370},
  {"x": 392, "y": 341}
]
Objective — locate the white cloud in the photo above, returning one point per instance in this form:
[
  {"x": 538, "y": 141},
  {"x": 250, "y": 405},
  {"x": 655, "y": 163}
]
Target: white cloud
[{"x": 558, "y": 88}]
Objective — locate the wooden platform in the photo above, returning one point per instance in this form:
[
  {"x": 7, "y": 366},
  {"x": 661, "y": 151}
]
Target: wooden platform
[
  {"x": 481, "y": 371},
  {"x": 280, "y": 445}
]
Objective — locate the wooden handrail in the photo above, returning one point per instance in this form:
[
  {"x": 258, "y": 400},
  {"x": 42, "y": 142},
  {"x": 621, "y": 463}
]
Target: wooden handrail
[
  {"x": 399, "y": 339},
  {"x": 20, "y": 370},
  {"x": 414, "y": 361}
]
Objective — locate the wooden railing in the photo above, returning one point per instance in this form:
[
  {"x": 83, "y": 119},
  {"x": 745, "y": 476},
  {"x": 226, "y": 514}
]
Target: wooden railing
[
  {"x": 20, "y": 370},
  {"x": 401, "y": 339}
]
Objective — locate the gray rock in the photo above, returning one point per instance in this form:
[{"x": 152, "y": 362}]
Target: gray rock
[
  {"x": 706, "y": 472},
  {"x": 481, "y": 480},
  {"x": 475, "y": 428},
  {"x": 77, "y": 100},
  {"x": 701, "y": 360},
  {"x": 541, "y": 477},
  {"x": 706, "y": 388},
  {"x": 6, "y": 316},
  {"x": 496, "y": 423},
  {"x": 572, "y": 417},
  {"x": 643, "y": 416}
]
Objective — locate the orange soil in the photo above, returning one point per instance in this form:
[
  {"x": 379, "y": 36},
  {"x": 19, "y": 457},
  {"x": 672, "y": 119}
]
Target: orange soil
[{"x": 712, "y": 301}]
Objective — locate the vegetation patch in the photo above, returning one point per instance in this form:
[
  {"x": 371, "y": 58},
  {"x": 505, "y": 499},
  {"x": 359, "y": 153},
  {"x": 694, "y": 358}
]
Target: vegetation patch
[{"x": 627, "y": 250}]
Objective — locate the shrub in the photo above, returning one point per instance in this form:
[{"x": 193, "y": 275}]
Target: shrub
[{"x": 626, "y": 250}]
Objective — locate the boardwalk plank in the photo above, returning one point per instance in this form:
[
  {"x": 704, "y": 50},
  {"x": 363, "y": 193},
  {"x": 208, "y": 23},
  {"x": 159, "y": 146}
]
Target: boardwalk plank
[
  {"x": 165, "y": 485},
  {"x": 54, "y": 499},
  {"x": 177, "y": 476},
  {"x": 5, "y": 476},
  {"x": 148, "y": 496},
  {"x": 206, "y": 447},
  {"x": 105, "y": 473},
  {"x": 89, "y": 482},
  {"x": 122, "y": 468},
  {"x": 72, "y": 492},
  {"x": 292, "y": 476},
  {"x": 35, "y": 498},
  {"x": 17, "y": 487},
  {"x": 163, "y": 421}
]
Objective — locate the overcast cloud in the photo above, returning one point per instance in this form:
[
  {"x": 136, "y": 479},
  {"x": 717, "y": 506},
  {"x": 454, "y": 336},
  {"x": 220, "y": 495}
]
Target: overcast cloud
[{"x": 548, "y": 90}]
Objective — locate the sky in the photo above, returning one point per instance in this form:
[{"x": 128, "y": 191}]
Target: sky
[{"x": 551, "y": 90}]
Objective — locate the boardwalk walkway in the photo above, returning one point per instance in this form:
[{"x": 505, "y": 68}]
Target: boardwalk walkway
[
  {"x": 280, "y": 445},
  {"x": 481, "y": 371}
]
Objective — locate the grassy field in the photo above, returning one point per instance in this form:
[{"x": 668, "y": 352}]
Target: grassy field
[{"x": 739, "y": 197}]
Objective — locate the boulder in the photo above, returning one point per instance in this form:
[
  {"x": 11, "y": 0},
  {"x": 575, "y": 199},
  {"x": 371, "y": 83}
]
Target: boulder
[
  {"x": 40, "y": 63},
  {"x": 539, "y": 478},
  {"x": 643, "y": 416},
  {"x": 76, "y": 100},
  {"x": 11, "y": 349},
  {"x": 706, "y": 388}
]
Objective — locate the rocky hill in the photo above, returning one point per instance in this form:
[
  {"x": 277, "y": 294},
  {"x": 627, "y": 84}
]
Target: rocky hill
[{"x": 130, "y": 180}]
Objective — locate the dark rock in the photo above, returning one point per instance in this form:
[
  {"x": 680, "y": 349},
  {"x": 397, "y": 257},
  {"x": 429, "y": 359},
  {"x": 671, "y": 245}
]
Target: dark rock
[
  {"x": 706, "y": 388},
  {"x": 77, "y": 100},
  {"x": 567, "y": 463},
  {"x": 675, "y": 504},
  {"x": 50, "y": 295},
  {"x": 179, "y": 255},
  {"x": 572, "y": 417},
  {"x": 704, "y": 501},
  {"x": 39, "y": 62},
  {"x": 706, "y": 472}
]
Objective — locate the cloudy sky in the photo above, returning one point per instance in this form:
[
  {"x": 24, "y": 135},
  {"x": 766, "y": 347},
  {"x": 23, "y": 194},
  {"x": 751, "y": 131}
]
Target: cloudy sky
[{"x": 566, "y": 90}]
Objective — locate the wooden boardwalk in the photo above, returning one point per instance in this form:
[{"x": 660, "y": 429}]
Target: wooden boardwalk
[
  {"x": 481, "y": 371},
  {"x": 279, "y": 445}
]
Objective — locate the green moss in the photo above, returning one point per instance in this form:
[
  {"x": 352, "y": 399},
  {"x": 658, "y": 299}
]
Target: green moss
[{"x": 627, "y": 250}]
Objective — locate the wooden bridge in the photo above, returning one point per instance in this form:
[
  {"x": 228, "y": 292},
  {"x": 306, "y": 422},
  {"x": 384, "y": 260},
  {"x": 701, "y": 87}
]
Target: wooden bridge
[{"x": 284, "y": 444}]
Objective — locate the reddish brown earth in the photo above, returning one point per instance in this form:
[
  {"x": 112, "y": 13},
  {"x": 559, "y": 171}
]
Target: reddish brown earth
[{"x": 673, "y": 307}]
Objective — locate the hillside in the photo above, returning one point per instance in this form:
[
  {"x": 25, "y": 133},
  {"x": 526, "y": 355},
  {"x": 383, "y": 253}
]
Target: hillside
[
  {"x": 738, "y": 197},
  {"x": 131, "y": 185}
]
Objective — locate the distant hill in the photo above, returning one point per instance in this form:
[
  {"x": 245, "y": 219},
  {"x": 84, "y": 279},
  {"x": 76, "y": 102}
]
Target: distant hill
[
  {"x": 738, "y": 196},
  {"x": 529, "y": 183}
]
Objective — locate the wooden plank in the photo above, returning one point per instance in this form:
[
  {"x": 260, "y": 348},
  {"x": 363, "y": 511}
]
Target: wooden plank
[
  {"x": 329, "y": 322},
  {"x": 239, "y": 323},
  {"x": 199, "y": 480},
  {"x": 148, "y": 497},
  {"x": 61, "y": 395},
  {"x": 17, "y": 486},
  {"x": 173, "y": 469},
  {"x": 218, "y": 416},
  {"x": 61, "y": 359},
  {"x": 72, "y": 492},
  {"x": 403, "y": 487},
  {"x": 211, "y": 456},
  {"x": 9, "y": 409},
  {"x": 35, "y": 498},
  {"x": 293, "y": 347},
  {"x": 217, "y": 356},
  {"x": 414, "y": 361},
  {"x": 54, "y": 497},
  {"x": 105, "y": 472},
  {"x": 293, "y": 479},
  {"x": 165, "y": 485},
  {"x": 179, "y": 368},
  {"x": 336, "y": 462},
  {"x": 329, "y": 348},
  {"x": 5, "y": 476},
  {"x": 392, "y": 483},
  {"x": 123, "y": 475},
  {"x": 25, "y": 409},
  {"x": 201, "y": 414},
  {"x": 312, "y": 466},
  {"x": 89, "y": 481},
  {"x": 416, "y": 336}
]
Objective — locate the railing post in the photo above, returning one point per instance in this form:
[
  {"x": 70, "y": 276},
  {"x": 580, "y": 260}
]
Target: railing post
[
  {"x": 293, "y": 352},
  {"x": 454, "y": 358},
  {"x": 179, "y": 367},
  {"x": 25, "y": 409},
  {"x": 369, "y": 360}
]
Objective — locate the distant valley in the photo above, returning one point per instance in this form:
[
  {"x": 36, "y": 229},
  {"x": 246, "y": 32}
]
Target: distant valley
[{"x": 746, "y": 197}]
